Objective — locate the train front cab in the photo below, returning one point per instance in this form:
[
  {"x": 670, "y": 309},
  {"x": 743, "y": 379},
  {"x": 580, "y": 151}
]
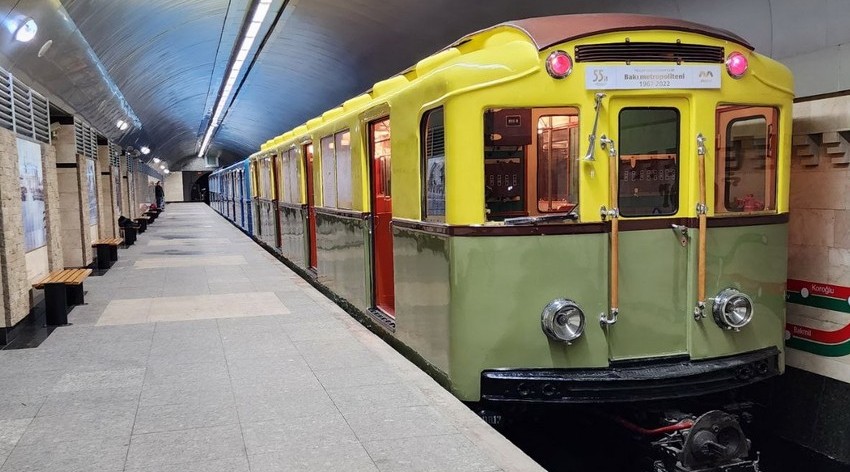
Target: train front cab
[{"x": 517, "y": 159}]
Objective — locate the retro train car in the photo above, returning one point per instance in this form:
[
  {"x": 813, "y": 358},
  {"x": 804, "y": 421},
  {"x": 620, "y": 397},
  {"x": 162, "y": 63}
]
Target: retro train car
[
  {"x": 230, "y": 194},
  {"x": 570, "y": 209}
]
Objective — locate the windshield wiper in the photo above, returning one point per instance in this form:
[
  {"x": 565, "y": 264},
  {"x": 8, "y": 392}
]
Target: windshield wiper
[{"x": 531, "y": 220}]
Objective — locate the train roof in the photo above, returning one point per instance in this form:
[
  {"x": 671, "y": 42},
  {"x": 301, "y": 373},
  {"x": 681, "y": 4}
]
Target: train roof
[{"x": 549, "y": 30}]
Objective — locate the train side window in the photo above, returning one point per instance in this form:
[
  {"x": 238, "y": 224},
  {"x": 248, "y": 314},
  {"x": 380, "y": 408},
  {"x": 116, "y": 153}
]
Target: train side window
[
  {"x": 382, "y": 153},
  {"x": 649, "y": 161},
  {"x": 557, "y": 162},
  {"x": 745, "y": 179},
  {"x": 290, "y": 184},
  {"x": 342, "y": 148},
  {"x": 530, "y": 161},
  {"x": 434, "y": 163},
  {"x": 328, "y": 172}
]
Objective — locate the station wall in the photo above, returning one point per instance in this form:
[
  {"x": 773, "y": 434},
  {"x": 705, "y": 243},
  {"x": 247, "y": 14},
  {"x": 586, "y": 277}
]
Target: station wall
[
  {"x": 809, "y": 401},
  {"x": 173, "y": 187},
  {"x": 53, "y": 203}
]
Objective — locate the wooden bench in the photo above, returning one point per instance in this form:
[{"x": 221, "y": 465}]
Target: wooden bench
[
  {"x": 129, "y": 233},
  {"x": 62, "y": 289},
  {"x": 107, "y": 251},
  {"x": 143, "y": 223}
]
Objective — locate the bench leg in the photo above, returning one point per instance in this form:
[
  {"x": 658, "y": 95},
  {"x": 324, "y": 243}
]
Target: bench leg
[
  {"x": 56, "y": 301},
  {"x": 113, "y": 253},
  {"x": 104, "y": 258},
  {"x": 75, "y": 294}
]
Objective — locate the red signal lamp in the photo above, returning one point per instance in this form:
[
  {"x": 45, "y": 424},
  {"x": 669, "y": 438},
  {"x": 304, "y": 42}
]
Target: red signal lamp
[
  {"x": 559, "y": 64},
  {"x": 737, "y": 64}
]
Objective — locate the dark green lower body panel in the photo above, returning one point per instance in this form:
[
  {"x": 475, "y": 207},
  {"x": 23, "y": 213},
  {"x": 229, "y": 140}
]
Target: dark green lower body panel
[
  {"x": 292, "y": 231},
  {"x": 343, "y": 267}
]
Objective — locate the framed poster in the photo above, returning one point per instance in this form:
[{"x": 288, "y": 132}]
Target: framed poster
[
  {"x": 32, "y": 194},
  {"x": 90, "y": 178}
]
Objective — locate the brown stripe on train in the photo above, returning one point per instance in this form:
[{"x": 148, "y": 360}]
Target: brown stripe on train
[{"x": 587, "y": 228}]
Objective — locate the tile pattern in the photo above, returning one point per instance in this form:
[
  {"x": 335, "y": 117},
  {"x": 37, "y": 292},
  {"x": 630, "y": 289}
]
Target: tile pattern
[{"x": 206, "y": 354}]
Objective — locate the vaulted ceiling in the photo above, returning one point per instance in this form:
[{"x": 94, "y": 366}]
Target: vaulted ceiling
[{"x": 161, "y": 63}]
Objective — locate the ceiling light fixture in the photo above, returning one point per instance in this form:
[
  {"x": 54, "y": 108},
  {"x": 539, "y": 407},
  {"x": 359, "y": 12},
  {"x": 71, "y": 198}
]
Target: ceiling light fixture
[
  {"x": 145, "y": 150},
  {"x": 122, "y": 125},
  {"x": 26, "y": 31},
  {"x": 166, "y": 171},
  {"x": 156, "y": 160},
  {"x": 260, "y": 13}
]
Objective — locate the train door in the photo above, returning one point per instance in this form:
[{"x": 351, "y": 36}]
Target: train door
[
  {"x": 276, "y": 198},
  {"x": 312, "y": 252},
  {"x": 650, "y": 150},
  {"x": 382, "y": 215},
  {"x": 240, "y": 212}
]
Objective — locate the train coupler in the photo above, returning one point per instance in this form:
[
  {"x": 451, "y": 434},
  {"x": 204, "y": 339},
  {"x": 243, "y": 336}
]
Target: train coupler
[{"x": 715, "y": 443}]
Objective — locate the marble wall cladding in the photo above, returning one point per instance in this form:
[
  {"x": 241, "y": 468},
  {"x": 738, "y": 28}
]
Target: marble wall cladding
[
  {"x": 107, "y": 221},
  {"x": 819, "y": 230},
  {"x": 13, "y": 265},
  {"x": 55, "y": 256}
]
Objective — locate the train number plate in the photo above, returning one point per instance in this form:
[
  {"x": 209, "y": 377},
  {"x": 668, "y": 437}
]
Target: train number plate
[{"x": 652, "y": 77}]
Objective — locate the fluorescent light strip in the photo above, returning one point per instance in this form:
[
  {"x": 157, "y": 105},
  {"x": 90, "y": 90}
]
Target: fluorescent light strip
[{"x": 247, "y": 41}]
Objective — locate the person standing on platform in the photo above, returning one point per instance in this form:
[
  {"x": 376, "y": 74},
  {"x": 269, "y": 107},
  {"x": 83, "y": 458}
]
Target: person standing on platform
[{"x": 160, "y": 195}]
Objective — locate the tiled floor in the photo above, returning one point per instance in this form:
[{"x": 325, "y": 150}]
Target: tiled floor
[{"x": 200, "y": 352}]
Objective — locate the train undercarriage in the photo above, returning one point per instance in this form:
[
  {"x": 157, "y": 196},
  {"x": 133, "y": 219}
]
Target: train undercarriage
[{"x": 634, "y": 437}]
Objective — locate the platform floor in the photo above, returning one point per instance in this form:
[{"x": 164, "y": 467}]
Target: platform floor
[{"x": 200, "y": 352}]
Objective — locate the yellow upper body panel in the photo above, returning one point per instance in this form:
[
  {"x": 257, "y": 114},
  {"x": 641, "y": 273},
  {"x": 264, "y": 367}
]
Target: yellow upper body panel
[{"x": 502, "y": 68}]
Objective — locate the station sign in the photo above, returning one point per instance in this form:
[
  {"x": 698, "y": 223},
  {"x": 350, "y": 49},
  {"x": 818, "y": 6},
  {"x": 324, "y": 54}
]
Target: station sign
[{"x": 652, "y": 77}]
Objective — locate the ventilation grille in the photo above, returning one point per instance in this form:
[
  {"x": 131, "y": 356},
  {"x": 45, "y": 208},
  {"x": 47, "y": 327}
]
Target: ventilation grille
[
  {"x": 435, "y": 142},
  {"x": 114, "y": 155},
  {"x": 649, "y": 52},
  {"x": 23, "y": 111},
  {"x": 86, "y": 139}
]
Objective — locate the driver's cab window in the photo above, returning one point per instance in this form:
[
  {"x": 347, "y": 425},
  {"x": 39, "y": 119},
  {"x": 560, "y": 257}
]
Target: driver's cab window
[
  {"x": 649, "y": 161},
  {"x": 530, "y": 161}
]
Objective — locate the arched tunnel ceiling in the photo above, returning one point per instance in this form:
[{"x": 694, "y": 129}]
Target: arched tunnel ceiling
[{"x": 169, "y": 57}]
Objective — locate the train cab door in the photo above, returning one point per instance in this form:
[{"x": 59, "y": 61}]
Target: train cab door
[
  {"x": 312, "y": 252},
  {"x": 650, "y": 150},
  {"x": 382, "y": 215}
]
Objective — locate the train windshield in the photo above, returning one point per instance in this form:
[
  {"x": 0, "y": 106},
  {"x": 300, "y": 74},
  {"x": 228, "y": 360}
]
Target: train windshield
[{"x": 649, "y": 161}]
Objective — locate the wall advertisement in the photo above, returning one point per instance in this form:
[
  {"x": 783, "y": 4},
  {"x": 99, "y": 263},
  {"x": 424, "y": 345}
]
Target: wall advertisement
[{"x": 32, "y": 194}]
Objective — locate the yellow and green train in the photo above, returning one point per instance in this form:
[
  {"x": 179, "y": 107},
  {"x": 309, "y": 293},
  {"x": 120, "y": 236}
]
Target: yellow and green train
[{"x": 569, "y": 209}]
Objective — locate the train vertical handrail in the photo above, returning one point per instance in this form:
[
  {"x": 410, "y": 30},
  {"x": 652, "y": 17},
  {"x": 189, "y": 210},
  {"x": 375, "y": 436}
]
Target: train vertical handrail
[
  {"x": 699, "y": 309},
  {"x": 608, "y": 319},
  {"x": 592, "y": 138}
]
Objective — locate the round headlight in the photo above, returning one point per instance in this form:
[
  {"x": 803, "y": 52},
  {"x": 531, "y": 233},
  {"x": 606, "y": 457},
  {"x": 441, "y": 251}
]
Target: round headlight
[
  {"x": 563, "y": 320},
  {"x": 732, "y": 309}
]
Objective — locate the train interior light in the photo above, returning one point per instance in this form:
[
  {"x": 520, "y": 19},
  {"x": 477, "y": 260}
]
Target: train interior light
[
  {"x": 737, "y": 65},
  {"x": 559, "y": 64}
]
